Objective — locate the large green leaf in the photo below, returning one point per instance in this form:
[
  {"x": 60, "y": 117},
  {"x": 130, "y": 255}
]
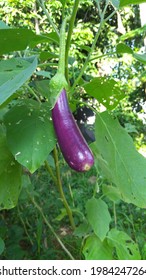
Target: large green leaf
[
  {"x": 10, "y": 175},
  {"x": 126, "y": 248},
  {"x": 119, "y": 160},
  {"x": 94, "y": 249},
  {"x": 17, "y": 39},
  {"x": 105, "y": 91},
  {"x": 98, "y": 216},
  {"x": 130, "y": 2},
  {"x": 13, "y": 74},
  {"x": 30, "y": 133}
]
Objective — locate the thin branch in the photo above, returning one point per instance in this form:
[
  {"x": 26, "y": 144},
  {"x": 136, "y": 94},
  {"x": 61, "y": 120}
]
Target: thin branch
[
  {"x": 50, "y": 227},
  {"x": 42, "y": 5}
]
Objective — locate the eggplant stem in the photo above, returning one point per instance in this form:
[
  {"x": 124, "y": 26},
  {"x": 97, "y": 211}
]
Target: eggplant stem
[{"x": 67, "y": 207}]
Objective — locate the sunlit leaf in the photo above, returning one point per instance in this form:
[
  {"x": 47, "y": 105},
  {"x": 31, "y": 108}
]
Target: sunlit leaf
[
  {"x": 30, "y": 133},
  {"x": 14, "y": 73},
  {"x": 119, "y": 160}
]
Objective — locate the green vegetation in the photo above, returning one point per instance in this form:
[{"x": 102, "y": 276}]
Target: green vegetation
[{"x": 49, "y": 211}]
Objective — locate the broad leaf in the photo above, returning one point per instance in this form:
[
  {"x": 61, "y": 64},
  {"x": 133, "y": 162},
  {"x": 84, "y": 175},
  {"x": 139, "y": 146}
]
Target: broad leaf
[
  {"x": 94, "y": 249},
  {"x": 13, "y": 74},
  {"x": 30, "y": 133},
  {"x": 10, "y": 175},
  {"x": 119, "y": 160},
  {"x": 98, "y": 216},
  {"x": 126, "y": 248},
  {"x": 105, "y": 91},
  {"x": 18, "y": 39},
  {"x": 130, "y": 2}
]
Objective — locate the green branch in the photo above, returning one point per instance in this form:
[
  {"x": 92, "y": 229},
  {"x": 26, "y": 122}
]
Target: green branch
[
  {"x": 70, "y": 31},
  {"x": 50, "y": 227},
  {"x": 41, "y": 4},
  {"x": 67, "y": 207}
]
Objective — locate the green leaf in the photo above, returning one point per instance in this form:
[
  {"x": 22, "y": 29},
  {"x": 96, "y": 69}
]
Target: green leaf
[
  {"x": 13, "y": 74},
  {"x": 119, "y": 160},
  {"x": 94, "y": 249},
  {"x": 133, "y": 33},
  {"x": 30, "y": 133},
  {"x": 18, "y": 39},
  {"x": 98, "y": 216},
  {"x": 126, "y": 248},
  {"x": 105, "y": 91},
  {"x": 83, "y": 229},
  {"x": 115, "y": 3},
  {"x": 123, "y": 48},
  {"x": 47, "y": 55},
  {"x": 140, "y": 57},
  {"x": 130, "y": 2},
  {"x": 2, "y": 245},
  {"x": 42, "y": 87},
  {"x": 111, "y": 192},
  {"x": 10, "y": 175}
]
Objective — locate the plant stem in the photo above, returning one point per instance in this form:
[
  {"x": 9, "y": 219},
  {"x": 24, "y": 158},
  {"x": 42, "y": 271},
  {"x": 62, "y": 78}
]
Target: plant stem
[
  {"x": 89, "y": 55},
  {"x": 62, "y": 47},
  {"x": 50, "y": 227},
  {"x": 41, "y": 4},
  {"x": 49, "y": 169},
  {"x": 68, "y": 210},
  {"x": 33, "y": 93},
  {"x": 68, "y": 42},
  {"x": 102, "y": 22}
]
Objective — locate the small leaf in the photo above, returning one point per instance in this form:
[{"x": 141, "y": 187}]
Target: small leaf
[
  {"x": 13, "y": 74},
  {"x": 126, "y": 248},
  {"x": 94, "y": 249},
  {"x": 123, "y": 48},
  {"x": 30, "y": 133},
  {"x": 98, "y": 216},
  {"x": 10, "y": 175},
  {"x": 105, "y": 91}
]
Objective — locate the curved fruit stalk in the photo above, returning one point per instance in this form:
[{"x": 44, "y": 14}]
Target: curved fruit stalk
[{"x": 72, "y": 143}]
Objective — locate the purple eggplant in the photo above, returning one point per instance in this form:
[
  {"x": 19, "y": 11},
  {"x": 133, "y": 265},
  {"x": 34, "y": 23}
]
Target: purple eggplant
[{"x": 72, "y": 143}]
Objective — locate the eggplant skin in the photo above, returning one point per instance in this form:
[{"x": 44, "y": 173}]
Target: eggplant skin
[{"x": 72, "y": 143}]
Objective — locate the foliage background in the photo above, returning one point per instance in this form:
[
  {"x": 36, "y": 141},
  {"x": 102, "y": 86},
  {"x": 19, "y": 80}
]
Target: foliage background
[{"x": 24, "y": 239}]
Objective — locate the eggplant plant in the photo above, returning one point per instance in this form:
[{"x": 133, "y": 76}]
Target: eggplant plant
[{"x": 37, "y": 125}]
